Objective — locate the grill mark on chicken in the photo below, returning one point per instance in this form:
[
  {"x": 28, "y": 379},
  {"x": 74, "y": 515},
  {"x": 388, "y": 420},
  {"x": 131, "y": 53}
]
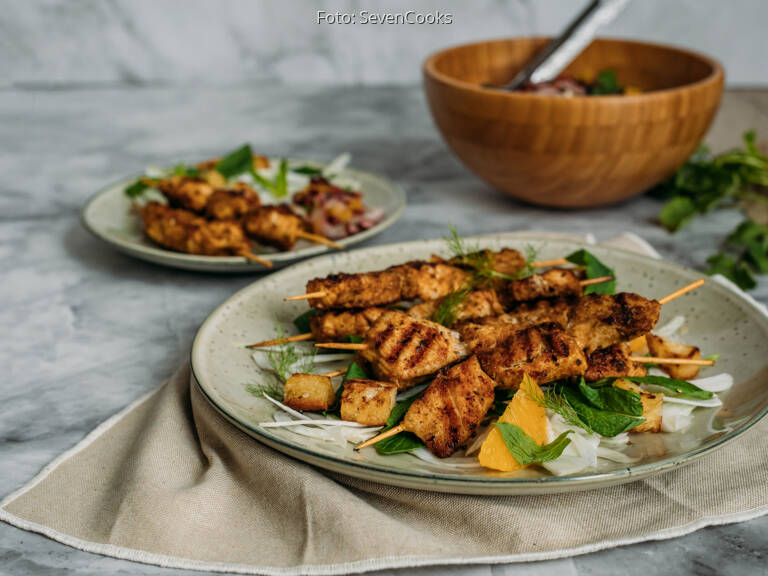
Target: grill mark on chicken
[
  {"x": 405, "y": 350},
  {"x": 612, "y": 362}
]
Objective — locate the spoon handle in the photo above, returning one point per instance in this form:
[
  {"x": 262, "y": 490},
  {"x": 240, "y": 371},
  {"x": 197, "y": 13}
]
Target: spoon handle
[{"x": 551, "y": 60}]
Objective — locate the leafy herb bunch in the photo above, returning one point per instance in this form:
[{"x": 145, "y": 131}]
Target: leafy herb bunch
[{"x": 737, "y": 179}]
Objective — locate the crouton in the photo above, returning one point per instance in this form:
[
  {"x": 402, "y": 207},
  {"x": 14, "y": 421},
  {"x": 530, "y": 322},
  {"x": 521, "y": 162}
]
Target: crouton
[
  {"x": 311, "y": 392},
  {"x": 664, "y": 348},
  {"x": 652, "y": 404},
  {"x": 367, "y": 401}
]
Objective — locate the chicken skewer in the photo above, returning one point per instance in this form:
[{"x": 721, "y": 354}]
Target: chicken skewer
[
  {"x": 184, "y": 232},
  {"x": 440, "y": 278},
  {"x": 278, "y": 226}
]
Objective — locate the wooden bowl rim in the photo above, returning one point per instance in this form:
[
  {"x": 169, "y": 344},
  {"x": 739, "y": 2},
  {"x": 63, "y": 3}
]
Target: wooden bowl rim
[{"x": 716, "y": 75}]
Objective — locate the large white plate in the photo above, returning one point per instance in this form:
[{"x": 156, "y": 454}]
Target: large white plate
[
  {"x": 719, "y": 320},
  {"x": 108, "y": 216}
]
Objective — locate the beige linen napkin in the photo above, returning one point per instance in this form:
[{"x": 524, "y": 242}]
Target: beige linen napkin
[{"x": 168, "y": 481}]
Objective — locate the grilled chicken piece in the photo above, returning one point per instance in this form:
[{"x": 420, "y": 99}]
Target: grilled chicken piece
[
  {"x": 664, "y": 348},
  {"x": 274, "y": 226},
  {"x": 652, "y": 406},
  {"x": 312, "y": 392},
  {"x": 482, "y": 334},
  {"x": 550, "y": 284},
  {"x": 367, "y": 401},
  {"x": 334, "y": 326},
  {"x": 184, "y": 232},
  {"x": 451, "y": 408},
  {"x": 544, "y": 352},
  {"x": 601, "y": 320},
  {"x": 405, "y": 351},
  {"x": 612, "y": 362},
  {"x": 477, "y": 304},
  {"x": 356, "y": 290},
  {"x": 186, "y": 192},
  {"x": 232, "y": 203},
  {"x": 429, "y": 280}
]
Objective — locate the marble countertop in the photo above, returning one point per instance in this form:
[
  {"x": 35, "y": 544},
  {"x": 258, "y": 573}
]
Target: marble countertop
[{"x": 87, "y": 330}]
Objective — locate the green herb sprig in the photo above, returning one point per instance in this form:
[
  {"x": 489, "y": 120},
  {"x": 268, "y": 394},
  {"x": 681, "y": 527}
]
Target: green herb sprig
[
  {"x": 734, "y": 179},
  {"x": 287, "y": 356},
  {"x": 240, "y": 161}
]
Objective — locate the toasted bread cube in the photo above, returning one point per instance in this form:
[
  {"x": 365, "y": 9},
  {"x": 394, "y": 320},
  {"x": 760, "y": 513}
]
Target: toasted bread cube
[
  {"x": 652, "y": 404},
  {"x": 367, "y": 401},
  {"x": 664, "y": 348},
  {"x": 311, "y": 392}
]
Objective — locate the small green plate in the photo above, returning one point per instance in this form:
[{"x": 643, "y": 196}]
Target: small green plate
[{"x": 719, "y": 320}]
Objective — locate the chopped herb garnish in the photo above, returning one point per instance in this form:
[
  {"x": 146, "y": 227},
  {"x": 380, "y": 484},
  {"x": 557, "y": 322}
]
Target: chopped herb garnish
[
  {"x": 278, "y": 186},
  {"x": 448, "y": 309},
  {"x": 286, "y": 357},
  {"x": 307, "y": 170},
  {"x": 606, "y": 83}
]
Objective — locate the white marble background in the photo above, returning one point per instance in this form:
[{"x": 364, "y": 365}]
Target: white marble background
[{"x": 66, "y": 42}]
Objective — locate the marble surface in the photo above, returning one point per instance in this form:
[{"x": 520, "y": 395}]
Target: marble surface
[
  {"x": 59, "y": 42},
  {"x": 87, "y": 330}
]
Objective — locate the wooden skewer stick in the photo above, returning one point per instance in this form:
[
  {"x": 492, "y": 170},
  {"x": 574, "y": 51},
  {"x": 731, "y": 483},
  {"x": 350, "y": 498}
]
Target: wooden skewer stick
[
  {"x": 297, "y": 338},
  {"x": 553, "y": 262},
  {"x": 306, "y": 296},
  {"x": 317, "y": 239},
  {"x": 391, "y": 432},
  {"x": 334, "y": 373},
  {"x": 681, "y": 291},
  {"x": 342, "y": 345},
  {"x": 658, "y": 360},
  {"x": 253, "y": 258},
  {"x": 598, "y": 280}
]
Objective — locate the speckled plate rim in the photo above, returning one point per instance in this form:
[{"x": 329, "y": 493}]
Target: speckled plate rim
[
  {"x": 475, "y": 485},
  {"x": 235, "y": 264}
]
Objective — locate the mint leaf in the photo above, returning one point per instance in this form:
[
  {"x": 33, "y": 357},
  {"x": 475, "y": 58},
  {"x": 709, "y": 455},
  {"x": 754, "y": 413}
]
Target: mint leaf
[
  {"x": 612, "y": 399},
  {"x": 307, "y": 170},
  {"x": 524, "y": 448},
  {"x": 237, "y": 162},
  {"x": 594, "y": 269},
  {"x": 677, "y": 212}
]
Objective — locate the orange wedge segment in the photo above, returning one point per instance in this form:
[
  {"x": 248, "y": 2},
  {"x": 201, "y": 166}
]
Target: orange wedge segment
[{"x": 522, "y": 411}]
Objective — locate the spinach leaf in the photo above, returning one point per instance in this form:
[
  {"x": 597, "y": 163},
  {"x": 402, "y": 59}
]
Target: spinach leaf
[
  {"x": 524, "y": 448},
  {"x": 302, "y": 321},
  {"x": 612, "y": 399},
  {"x": 404, "y": 441},
  {"x": 399, "y": 443},
  {"x": 237, "y": 162},
  {"x": 605, "y": 421},
  {"x": 354, "y": 371},
  {"x": 677, "y": 388},
  {"x": 594, "y": 269}
]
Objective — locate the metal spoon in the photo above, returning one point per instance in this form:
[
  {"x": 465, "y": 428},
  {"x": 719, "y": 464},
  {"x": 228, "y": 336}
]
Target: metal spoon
[{"x": 551, "y": 60}]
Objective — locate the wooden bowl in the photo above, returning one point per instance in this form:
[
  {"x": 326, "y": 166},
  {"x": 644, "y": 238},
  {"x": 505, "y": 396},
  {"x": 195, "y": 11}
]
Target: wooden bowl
[{"x": 573, "y": 151}]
